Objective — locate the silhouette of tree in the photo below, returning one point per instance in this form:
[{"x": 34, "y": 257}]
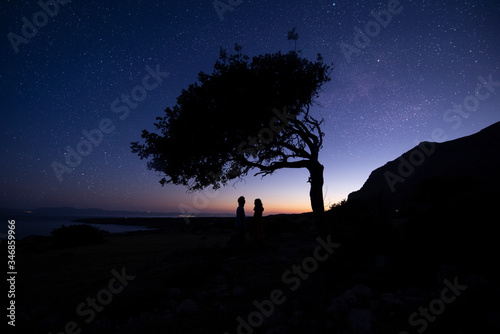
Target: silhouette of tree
[
  {"x": 248, "y": 114},
  {"x": 292, "y": 35}
]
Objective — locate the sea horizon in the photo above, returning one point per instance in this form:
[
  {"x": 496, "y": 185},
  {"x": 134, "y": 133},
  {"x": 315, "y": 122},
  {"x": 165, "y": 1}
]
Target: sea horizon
[{"x": 31, "y": 225}]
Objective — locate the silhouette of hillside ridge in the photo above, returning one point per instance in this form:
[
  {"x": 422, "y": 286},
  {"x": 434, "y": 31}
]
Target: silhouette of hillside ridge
[{"x": 463, "y": 169}]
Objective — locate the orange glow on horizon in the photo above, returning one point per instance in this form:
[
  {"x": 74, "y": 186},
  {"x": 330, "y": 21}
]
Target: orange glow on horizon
[{"x": 269, "y": 208}]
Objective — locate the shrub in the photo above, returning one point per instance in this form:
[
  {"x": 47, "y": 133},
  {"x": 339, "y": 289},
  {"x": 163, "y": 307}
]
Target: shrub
[{"x": 77, "y": 235}]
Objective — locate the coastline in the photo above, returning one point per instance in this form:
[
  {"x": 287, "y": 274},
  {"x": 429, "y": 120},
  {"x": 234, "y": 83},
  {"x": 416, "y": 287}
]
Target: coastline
[
  {"x": 155, "y": 222},
  {"x": 181, "y": 224},
  {"x": 171, "y": 225}
]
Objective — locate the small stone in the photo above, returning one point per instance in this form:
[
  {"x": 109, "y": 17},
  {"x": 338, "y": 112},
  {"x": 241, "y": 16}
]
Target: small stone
[
  {"x": 239, "y": 291},
  {"x": 173, "y": 292},
  {"x": 188, "y": 306},
  {"x": 360, "y": 321},
  {"x": 337, "y": 307}
]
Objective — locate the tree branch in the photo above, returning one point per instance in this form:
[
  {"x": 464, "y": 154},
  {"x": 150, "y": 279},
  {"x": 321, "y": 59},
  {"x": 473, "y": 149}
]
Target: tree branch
[{"x": 265, "y": 170}]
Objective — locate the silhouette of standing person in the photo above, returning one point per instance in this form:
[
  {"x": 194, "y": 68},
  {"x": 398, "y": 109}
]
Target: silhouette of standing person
[
  {"x": 240, "y": 219},
  {"x": 256, "y": 231}
]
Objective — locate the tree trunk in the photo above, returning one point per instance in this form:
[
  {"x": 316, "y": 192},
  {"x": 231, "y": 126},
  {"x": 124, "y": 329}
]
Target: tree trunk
[{"x": 316, "y": 194}]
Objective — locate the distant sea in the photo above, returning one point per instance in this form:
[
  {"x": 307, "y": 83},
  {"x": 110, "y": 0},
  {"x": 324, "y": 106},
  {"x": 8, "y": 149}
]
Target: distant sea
[{"x": 43, "y": 225}]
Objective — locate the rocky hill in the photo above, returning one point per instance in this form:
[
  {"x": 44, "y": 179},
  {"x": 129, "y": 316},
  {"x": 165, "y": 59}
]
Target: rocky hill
[{"x": 433, "y": 173}]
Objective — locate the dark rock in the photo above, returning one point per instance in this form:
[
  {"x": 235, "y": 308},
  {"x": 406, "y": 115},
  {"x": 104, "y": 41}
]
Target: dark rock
[
  {"x": 187, "y": 307},
  {"x": 174, "y": 292},
  {"x": 464, "y": 165},
  {"x": 171, "y": 304},
  {"x": 360, "y": 321},
  {"x": 239, "y": 291},
  {"x": 338, "y": 306}
]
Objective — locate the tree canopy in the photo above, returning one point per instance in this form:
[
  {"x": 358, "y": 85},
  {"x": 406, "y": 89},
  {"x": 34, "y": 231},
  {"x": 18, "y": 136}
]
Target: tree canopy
[{"x": 250, "y": 113}]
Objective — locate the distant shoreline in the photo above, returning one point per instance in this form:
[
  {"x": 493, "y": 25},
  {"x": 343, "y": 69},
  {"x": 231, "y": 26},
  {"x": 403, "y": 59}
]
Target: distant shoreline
[
  {"x": 33, "y": 225},
  {"x": 157, "y": 222},
  {"x": 172, "y": 223}
]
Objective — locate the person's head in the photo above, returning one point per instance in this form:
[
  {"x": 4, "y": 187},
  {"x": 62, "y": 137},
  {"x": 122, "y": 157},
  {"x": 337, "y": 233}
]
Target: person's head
[
  {"x": 258, "y": 202},
  {"x": 241, "y": 200}
]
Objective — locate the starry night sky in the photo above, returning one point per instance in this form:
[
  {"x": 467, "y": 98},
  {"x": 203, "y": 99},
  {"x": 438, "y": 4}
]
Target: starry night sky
[{"x": 391, "y": 88}]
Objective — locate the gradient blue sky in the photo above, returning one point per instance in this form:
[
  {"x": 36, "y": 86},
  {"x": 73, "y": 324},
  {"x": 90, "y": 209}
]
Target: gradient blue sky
[{"x": 397, "y": 88}]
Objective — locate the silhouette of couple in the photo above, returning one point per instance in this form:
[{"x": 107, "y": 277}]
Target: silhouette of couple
[{"x": 256, "y": 226}]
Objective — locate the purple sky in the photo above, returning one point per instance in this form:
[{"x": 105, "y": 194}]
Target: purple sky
[{"x": 71, "y": 69}]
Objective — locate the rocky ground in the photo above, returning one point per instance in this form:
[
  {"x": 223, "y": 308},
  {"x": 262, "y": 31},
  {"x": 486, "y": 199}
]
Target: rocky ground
[{"x": 367, "y": 276}]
